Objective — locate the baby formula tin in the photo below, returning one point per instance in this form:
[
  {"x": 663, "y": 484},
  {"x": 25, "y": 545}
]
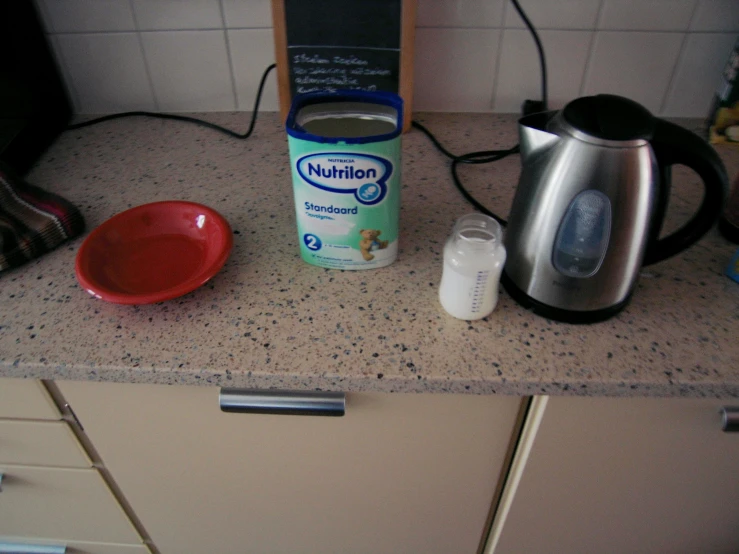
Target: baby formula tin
[{"x": 345, "y": 159}]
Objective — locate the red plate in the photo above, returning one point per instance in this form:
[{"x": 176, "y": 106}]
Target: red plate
[{"x": 154, "y": 252}]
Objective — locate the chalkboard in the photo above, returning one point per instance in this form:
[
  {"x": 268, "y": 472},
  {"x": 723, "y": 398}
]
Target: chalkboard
[{"x": 344, "y": 44}]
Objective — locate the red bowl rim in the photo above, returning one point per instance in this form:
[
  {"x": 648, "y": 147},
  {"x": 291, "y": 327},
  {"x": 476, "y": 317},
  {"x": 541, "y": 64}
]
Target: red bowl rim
[{"x": 98, "y": 291}]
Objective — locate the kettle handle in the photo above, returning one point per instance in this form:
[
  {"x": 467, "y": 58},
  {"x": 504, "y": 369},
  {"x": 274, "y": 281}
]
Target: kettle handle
[{"x": 672, "y": 145}]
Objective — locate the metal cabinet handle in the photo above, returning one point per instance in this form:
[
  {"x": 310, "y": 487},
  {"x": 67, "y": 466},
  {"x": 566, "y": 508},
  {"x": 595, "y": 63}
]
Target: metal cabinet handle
[
  {"x": 1, "y": 485},
  {"x": 255, "y": 401},
  {"x": 19, "y": 548},
  {"x": 730, "y": 419}
]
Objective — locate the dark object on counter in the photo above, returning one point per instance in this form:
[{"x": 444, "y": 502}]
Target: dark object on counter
[
  {"x": 32, "y": 221},
  {"x": 723, "y": 117},
  {"x": 34, "y": 107},
  {"x": 330, "y": 45},
  {"x": 591, "y": 201},
  {"x": 729, "y": 222},
  {"x": 733, "y": 270}
]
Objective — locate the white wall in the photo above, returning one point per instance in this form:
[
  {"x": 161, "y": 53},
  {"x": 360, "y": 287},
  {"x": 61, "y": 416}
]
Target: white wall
[{"x": 208, "y": 55}]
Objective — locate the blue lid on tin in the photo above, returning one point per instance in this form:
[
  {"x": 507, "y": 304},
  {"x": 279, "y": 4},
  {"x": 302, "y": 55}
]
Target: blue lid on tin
[{"x": 345, "y": 116}]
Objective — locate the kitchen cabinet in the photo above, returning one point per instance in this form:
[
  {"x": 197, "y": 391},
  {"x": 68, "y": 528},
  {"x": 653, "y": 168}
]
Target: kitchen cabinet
[
  {"x": 61, "y": 503},
  {"x": 26, "y": 398},
  {"x": 51, "y": 493},
  {"x": 621, "y": 475},
  {"x": 398, "y": 473},
  {"x": 72, "y": 547},
  {"x": 50, "y": 443}
]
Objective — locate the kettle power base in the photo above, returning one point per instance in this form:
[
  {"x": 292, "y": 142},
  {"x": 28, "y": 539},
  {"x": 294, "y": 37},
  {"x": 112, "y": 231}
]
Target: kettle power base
[{"x": 560, "y": 314}]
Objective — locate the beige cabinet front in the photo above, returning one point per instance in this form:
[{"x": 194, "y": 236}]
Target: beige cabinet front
[
  {"x": 26, "y": 398},
  {"x": 15, "y": 544},
  {"x": 61, "y": 503},
  {"x": 398, "y": 473},
  {"x": 42, "y": 443},
  {"x": 623, "y": 475}
]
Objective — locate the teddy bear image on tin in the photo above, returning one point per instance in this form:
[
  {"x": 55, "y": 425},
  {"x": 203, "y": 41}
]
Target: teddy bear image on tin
[{"x": 369, "y": 242}]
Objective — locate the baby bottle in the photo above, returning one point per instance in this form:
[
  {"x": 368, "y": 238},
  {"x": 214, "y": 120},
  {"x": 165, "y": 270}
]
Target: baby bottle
[{"x": 473, "y": 261}]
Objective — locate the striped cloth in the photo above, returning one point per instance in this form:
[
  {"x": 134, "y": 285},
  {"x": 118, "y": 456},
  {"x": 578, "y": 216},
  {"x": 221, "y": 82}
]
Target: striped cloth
[{"x": 32, "y": 221}]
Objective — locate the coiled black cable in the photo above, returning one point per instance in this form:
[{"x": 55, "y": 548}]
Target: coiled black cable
[
  {"x": 489, "y": 156},
  {"x": 481, "y": 157}
]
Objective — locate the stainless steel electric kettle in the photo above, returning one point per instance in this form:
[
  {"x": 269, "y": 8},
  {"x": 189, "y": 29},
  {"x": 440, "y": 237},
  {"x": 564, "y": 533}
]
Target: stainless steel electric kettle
[{"x": 590, "y": 204}]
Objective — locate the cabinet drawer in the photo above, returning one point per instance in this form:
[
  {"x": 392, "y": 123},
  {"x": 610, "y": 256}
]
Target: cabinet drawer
[
  {"x": 74, "y": 547},
  {"x": 400, "y": 473},
  {"x": 63, "y": 504},
  {"x": 47, "y": 443},
  {"x": 26, "y": 398}
]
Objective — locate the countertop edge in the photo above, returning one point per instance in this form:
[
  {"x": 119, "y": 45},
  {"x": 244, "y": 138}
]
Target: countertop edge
[{"x": 375, "y": 383}]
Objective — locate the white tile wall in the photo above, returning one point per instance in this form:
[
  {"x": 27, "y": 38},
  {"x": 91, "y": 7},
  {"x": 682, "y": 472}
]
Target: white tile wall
[
  {"x": 455, "y": 68},
  {"x": 716, "y": 15},
  {"x": 646, "y": 15},
  {"x": 78, "y": 16},
  {"x": 519, "y": 72},
  {"x": 467, "y": 13},
  {"x": 471, "y": 55},
  {"x": 107, "y": 71},
  {"x": 697, "y": 74},
  {"x": 634, "y": 64},
  {"x": 157, "y": 15},
  {"x": 251, "y": 52},
  {"x": 247, "y": 14},
  {"x": 190, "y": 70},
  {"x": 555, "y": 14}
]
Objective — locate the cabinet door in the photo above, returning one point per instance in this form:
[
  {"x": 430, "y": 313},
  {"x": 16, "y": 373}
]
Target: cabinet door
[
  {"x": 56, "y": 503},
  {"x": 398, "y": 473},
  {"x": 74, "y": 547},
  {"x": 26, "y": 398},
  {"x": 626, "y": 475},
  {"x": 44, "y": 443}
]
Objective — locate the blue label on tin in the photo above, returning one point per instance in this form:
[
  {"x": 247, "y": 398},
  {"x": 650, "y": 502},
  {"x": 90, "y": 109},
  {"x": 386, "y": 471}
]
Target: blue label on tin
[{"x": 363, "y": 175}]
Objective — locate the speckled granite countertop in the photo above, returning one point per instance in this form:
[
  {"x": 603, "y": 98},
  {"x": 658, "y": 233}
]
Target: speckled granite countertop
[{"x": 270, "y": 320}]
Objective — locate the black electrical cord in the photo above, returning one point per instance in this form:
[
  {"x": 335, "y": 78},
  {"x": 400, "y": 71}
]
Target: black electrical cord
[
  {"x": 482, "y": 157},
  {"x": 187, "y": 119},
  {"x": 540, "y": 50},
  {"x": 489, "y": 156},
  {"x": 472, "y": 158}
]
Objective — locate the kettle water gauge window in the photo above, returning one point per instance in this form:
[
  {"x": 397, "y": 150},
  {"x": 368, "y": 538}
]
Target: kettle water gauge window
[{"x": 582, "y": 238}]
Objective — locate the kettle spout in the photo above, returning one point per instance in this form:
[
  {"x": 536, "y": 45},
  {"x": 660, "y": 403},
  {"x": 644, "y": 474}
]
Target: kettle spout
[{"x": 534, "y": 137}]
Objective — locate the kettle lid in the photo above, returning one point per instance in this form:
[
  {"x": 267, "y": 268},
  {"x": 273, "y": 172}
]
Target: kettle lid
[{"x": 609, "y": 117}]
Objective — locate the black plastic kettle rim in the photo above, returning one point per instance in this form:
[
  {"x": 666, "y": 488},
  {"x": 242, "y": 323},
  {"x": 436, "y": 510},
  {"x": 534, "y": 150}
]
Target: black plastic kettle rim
[{"x": 610, "y": 117}]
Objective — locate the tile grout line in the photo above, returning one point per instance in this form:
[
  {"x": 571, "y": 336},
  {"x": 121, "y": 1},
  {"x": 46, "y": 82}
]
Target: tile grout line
[
  {"x": 680, "y": 58},
  {"x": 67, "y": 75},
  {"x": 590, "y": 66},
  {"x": 146, "y": 31},
  {"x": 498, "y": 58},
  {"x": 229, "y": 57},
  {"x": 591, "y": 47},
  {"x": 599, "y": 15},
  {"x": 58, "y": 54},
  {"x": 147, "y": 69},
  {"x": 461, "y": 28},
  {"x": 693, "y": 16},
  {"x": 673, "y": 73},
  {"x": 43, "y": 13}
]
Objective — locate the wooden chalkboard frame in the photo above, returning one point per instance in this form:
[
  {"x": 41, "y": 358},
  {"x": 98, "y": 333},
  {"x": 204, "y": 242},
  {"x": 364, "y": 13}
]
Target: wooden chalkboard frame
[{"x": 407, "y": 40}]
